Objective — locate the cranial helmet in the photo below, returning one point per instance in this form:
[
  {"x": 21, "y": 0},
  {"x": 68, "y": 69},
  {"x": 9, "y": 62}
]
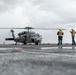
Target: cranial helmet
[
  {"x": 60, "y": 29},
  {"x": 72, "y": 29}
]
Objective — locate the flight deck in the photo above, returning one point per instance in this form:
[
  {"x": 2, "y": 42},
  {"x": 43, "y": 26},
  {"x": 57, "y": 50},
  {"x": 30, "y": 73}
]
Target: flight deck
[{"x": 41, "y": 59}]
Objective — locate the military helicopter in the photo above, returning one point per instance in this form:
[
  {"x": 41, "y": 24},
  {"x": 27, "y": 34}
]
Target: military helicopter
[{"x": 25, "y": 37}]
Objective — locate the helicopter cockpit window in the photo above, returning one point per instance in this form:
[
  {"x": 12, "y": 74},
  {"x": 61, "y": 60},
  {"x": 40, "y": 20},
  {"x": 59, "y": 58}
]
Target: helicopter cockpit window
[{"x": 32, "y": 35}]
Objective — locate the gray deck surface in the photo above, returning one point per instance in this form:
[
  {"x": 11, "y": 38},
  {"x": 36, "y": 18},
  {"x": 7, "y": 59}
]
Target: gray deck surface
[{"x": 37, "y": 60}]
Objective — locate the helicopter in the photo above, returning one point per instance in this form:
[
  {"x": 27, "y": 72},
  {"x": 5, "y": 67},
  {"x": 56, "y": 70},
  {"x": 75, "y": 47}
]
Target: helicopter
[{"x": 25, "y": 36}]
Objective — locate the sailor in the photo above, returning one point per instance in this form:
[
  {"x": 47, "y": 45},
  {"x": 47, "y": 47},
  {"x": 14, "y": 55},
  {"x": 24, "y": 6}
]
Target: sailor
[
  {"x": 60, "y": 36},
  {"x": 73, "y": 36}
]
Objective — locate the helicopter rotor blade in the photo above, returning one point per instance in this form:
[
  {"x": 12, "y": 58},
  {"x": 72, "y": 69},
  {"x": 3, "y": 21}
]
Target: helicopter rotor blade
[
  {"x": 17, "y": 28},
  {"x": 49, "y": 28},
  {"x": 11, "y": 28},
  {"x": 35, "y": 28}
]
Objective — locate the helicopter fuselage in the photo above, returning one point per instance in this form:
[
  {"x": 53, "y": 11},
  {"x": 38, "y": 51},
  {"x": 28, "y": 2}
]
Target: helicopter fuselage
[{"x": 29, "y": 37}]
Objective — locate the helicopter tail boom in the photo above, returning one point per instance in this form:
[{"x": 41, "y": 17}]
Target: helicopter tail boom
[{"x": 9, "y": 39}]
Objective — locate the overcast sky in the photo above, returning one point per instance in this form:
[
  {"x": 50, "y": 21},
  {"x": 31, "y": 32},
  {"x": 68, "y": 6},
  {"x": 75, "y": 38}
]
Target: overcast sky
[{"x": 38, "y": 14}]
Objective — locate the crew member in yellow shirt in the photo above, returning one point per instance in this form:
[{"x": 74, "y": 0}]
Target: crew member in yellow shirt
[
  {"x": 60, "y": 36},
  {"x": 73, "y": 36}
]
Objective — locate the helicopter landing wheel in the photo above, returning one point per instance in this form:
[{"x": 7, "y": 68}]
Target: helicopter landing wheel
[
  {"x": 25, "y": 43},
  {"x": 36, "y": 43},
  {"x": 16, "y": 43}
]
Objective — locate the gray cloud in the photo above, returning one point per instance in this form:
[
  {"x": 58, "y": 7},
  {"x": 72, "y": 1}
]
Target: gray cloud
[
  {"x": 43, "y": 12},
  {"x": 64, "y": 9},
  {"x": 6, "y": 5}
]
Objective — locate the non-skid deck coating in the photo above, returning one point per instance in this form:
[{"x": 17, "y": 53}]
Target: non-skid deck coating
[
  {"x": 37, "y": 60},
  {"x": 40, "y": 45}
]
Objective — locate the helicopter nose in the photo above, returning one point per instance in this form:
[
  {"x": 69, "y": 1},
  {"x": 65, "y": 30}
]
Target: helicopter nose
[{"x": 37, "y": 38}]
